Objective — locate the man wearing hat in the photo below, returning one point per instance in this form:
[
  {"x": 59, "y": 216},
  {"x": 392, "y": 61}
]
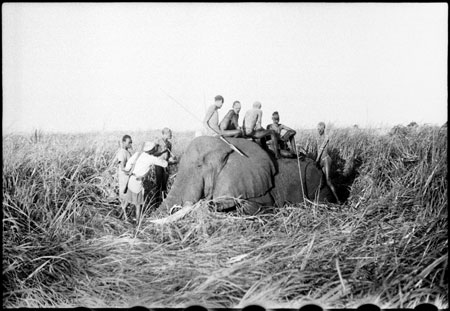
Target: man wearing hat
[{"x": 138, "y": 167}]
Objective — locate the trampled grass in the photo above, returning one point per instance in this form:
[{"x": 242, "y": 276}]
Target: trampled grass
[{"x": 64, "y": 245}]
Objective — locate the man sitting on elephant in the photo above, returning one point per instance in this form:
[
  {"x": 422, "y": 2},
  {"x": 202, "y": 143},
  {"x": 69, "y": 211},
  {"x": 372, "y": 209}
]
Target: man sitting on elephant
[
  {"x": 231, "y": 119},
  {"x": 211, "y": 120},
  {"x": 284, "y": 134},
  {"x": 252, "y": 128}
]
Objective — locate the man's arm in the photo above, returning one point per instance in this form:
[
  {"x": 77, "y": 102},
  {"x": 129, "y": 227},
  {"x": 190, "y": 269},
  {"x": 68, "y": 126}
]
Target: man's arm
[
  {"x": 154, "y": 161},
  {"x": 226, "y": 119},
  {"x": 121, "y": 159},
  {"x": 122, "y": 167},
  {"x": 287, "y": 128},
  {"x": 258, "y": 120},
  {"x": 130, "y": 163},
  {"x": 284, "y": 127},
  {"x": 208, "y": 116},
  {"x": 322, "y": 148}
]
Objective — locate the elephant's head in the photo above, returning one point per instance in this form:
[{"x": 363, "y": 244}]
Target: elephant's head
[{"x": 209, "y": 169}]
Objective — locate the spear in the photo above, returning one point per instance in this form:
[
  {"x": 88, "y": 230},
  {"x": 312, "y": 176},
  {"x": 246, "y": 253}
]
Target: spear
[{"x": 220, "y": 136}]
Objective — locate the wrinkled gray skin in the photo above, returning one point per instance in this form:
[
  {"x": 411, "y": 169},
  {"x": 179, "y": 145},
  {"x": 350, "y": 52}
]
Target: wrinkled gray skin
[{"x": 210, "y": 169}]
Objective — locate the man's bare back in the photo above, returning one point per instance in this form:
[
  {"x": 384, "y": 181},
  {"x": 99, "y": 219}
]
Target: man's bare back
[
  {"x": 252, "y": 119},
  {"x": 211, "y": 121}
]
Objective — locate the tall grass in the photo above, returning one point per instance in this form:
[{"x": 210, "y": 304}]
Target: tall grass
[{"x": 64, "y": 245}]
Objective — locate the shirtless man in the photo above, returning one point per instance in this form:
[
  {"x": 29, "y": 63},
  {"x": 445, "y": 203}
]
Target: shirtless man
[
  {"x": 323, "y": 158},
  {"x": 252, "y": 128},
  {"x": 122, "y": 157},
  {"x": 283, "y": 132},
  {"x": 231, "y": 119},
  {"x": 211, "y": 120}
]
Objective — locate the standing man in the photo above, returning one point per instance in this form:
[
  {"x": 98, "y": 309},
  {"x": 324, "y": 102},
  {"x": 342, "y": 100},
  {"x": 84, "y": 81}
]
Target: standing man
[
  {"x": 138, "y": 168},
  {"x": 252, "y": 128},
  {"x": 211, "y": 120},
  {"x": 231, "y": 119},
  {"x": 323, "y": 158},
  {"x": 162, "y": 173},
  {"x": 122, "y": 157}
]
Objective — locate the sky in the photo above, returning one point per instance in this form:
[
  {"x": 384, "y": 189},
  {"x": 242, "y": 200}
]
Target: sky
[{"x": 77, "y": 67}]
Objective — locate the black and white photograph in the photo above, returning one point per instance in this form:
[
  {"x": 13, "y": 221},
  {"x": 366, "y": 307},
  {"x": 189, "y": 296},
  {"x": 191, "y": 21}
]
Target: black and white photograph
[{"x": 225, "y": 155}]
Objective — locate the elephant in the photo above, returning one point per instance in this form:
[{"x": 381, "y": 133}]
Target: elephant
[{"x": 211, "y": 169}]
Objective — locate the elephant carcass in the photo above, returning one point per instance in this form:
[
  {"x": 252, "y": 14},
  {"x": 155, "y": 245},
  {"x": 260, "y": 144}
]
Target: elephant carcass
[{"x": 210, "y": 169}]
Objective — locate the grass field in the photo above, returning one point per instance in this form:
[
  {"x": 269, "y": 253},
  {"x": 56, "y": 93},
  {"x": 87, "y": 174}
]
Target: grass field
[{"x": 64, "y": 245}]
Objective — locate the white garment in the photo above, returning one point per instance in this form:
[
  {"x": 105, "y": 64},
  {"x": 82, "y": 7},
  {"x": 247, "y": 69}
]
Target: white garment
[{"x": 143, "y": 164}]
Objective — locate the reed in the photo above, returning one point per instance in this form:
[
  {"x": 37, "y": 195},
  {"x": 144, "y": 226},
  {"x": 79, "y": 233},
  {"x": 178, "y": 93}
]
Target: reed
[{"x": 64, "y": 245}]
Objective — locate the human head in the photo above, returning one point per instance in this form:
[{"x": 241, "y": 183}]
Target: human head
[
  {"x": 126, "y": 141},
  {"x": 321, "y": 128},
  {"x": 413, "y": 124},
  {"x": 275, "y": 117},
  {"x": 218, "y": 100},
  {"x": 150, "y": 147},
  {"x": 166, "y": 133},
  {"x": 237, "y": 106},
  {"x": 257, "y": 105}
]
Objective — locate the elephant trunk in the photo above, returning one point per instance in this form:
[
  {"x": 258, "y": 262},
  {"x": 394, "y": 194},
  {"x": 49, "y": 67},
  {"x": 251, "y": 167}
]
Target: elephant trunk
[{"x": 188, "y": 187}]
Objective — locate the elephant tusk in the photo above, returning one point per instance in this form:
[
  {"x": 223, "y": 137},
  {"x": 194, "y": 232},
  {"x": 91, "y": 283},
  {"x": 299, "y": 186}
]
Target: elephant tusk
[{"x": 176, "y": 216}]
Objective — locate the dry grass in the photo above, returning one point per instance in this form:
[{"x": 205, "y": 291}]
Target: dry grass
[{"x": 63, "y": 244}]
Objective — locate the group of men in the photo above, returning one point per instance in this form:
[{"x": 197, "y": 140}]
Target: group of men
[
  {"x": 280, "y": 135},
  {"x": 251, "y": 127},
  {"x": 134, "y": 168}
]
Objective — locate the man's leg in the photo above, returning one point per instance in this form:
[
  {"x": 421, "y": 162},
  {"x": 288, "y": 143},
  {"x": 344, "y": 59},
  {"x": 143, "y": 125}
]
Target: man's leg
[
  {"x": 326, "y": 168},
  {"x": 164, "y": 183},
  {"x": 159, "y": 180},
  {"x": 273, "y": 140},
  {"x": 124, "y": 205},
  {"x": 231, "y": 133},
  {"x": 293, "y": 146},
  {"x": 138, "y": 212}
]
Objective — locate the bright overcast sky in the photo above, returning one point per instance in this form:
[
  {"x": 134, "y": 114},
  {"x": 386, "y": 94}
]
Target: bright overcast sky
[{"x": 79, "y": 67}]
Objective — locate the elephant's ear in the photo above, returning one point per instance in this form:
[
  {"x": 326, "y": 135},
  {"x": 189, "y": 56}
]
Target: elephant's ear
[
  {"x": 246, "y": 177},
  {"x": 213, "y": 164}
]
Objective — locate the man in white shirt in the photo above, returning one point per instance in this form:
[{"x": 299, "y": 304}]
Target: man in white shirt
[{"x": 138, "y": 167}]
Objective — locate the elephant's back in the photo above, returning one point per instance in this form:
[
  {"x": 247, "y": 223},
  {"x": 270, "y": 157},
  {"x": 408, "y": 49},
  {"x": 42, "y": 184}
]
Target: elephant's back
[{"x": 295, "y": 180}]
